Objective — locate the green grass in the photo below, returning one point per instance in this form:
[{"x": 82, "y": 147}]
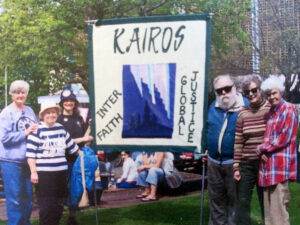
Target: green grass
[{"x": 181, "y": 211}]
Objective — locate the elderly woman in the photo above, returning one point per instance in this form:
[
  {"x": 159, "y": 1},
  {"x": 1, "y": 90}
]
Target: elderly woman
[
  {"x": 278, "y": 153},
  {"x": 45, "y": 154},
  {"x": 153, "y": 168},
  {"x": 250, "y": 128},
  {"x": 17, "y": 121}
]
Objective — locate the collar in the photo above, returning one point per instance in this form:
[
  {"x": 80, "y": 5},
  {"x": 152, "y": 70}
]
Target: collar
[
  {"x": 276, "y": 108},
  {"x": 255, "y": 107}
]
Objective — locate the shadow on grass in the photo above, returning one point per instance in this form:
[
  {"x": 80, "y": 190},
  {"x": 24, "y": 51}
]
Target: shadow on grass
[
  {"x": 181, "y": 211},
  {"x": 177, "y": 211}
]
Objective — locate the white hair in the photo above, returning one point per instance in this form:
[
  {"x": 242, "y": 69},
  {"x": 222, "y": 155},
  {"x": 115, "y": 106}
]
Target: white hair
[
  {"x": 273, "y": 82},
  {"x": 226, "y": 76},
  {"x": 18, "y": 85}
]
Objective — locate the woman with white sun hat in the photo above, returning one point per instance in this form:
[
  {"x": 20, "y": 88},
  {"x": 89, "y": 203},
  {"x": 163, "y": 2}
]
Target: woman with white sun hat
[{"x": 45, "y": 154}]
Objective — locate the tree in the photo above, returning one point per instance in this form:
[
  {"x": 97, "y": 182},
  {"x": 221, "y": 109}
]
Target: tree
[
  {"x": 35, "y": 44},
  {"x": 230, "y": 38},
  {"x": 46, "y": 41},
  {"x": 279, "y": 48}
]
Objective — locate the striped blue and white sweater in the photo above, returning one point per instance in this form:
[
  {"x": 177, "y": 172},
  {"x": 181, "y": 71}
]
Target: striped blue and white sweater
[{"x": 48, "y": 146}]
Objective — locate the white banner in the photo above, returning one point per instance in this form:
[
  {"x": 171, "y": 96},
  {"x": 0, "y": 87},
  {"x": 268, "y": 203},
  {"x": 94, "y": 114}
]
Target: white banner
[{"x": 149, "y": 83}]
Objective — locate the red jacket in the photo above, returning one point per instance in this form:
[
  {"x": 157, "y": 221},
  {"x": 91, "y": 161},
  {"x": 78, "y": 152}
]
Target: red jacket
[{"x": 279, "y": 145}]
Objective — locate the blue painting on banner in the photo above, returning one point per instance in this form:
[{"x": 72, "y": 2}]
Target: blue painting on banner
[{"x": 148, "y": 100}]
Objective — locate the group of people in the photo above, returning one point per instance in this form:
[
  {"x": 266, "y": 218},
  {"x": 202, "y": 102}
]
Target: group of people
[
  {"x": 250, "y": 141},
  {"x": 146, "y": 171},
  {"x": 42, "y": 152},
  {"x": 35, "y": 152}
]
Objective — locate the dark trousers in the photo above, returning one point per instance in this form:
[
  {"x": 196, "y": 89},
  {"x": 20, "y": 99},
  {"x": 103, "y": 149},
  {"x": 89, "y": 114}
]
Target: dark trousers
[
  {"x": 249, "y": 178},
  {"x": 51, "y": 195},
  {"x": 222, "y": 193}
]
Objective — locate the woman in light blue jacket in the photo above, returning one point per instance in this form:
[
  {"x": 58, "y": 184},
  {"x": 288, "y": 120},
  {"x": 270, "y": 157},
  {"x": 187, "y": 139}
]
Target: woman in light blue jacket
[{"x": 17, "y": 121}]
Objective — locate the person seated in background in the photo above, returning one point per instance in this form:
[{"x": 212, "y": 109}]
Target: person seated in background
[
  {"x": 187, "y": 155},
  {"x": 140, "y": 158},
  {"x": 136, "y": 155},
  {"x": 129, "y": 172},
  {"x": 151, "y": 171}
]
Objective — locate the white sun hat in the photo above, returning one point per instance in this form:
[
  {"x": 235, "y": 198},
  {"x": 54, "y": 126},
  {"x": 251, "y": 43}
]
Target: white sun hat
[{"x": 48, "y": 105}]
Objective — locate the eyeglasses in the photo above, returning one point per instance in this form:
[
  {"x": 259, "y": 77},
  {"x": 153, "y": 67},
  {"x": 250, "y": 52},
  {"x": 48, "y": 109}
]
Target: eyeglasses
[
  {"x": 123, "y": 154},
  {"x": 227, "y": 89},
  {"x": 253, "y": 90}
]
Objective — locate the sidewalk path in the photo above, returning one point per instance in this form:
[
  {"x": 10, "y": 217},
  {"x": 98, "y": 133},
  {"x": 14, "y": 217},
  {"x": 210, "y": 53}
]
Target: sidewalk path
[{"x": 113, "y": 198}]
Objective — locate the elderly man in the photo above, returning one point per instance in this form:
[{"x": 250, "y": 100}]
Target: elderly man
[
  {"x": 222, "y": 116},
  {"x": 278, "y": 153}
]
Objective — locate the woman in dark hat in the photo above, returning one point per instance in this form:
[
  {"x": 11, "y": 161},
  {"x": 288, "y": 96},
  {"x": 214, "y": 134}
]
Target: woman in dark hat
[
  {"x": 79, "y": 131},
  {"x": 72, "y": 120}
]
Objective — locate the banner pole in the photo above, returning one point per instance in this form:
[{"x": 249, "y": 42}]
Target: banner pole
[
  {"x": 202, "y": 192},
  {"x": 95, "y": 201}
]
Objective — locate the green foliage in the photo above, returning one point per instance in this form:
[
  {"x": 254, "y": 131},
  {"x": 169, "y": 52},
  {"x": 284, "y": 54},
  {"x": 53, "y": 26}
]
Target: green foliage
[
  {"x": 33, "y": 51},
  {"x": 44, "y": 41}
]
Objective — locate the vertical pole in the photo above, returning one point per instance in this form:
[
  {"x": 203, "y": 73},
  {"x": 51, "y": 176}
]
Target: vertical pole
[
  {"x": 5, "y": 82},
  {"x": 202, "y": 192},
  {"x": 255, "y": 37},
  {"x": 95, "y": 201},
  {"x": 5, "y": 74}
]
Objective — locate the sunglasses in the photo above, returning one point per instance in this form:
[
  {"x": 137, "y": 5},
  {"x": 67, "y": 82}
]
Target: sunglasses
[
  {"x": 227, "y": 89},
  {"x": 253, "y": 90}
]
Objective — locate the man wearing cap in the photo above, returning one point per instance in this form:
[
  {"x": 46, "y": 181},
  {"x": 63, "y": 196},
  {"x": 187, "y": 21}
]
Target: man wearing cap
[
  {"x": 45, "y": 154},
  {"x": 219, "y": 143}
]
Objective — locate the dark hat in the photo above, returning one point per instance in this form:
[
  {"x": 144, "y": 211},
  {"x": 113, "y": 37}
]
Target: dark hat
[{"x": 67, "y": 94}]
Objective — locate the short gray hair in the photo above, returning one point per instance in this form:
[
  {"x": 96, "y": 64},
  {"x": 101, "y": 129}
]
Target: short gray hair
[
  {"x": 18, "y": 85},
  {"x": 273, "y": 82},
  {"x": 221, "y": 77},
  {"x": 255, "y": 78}
]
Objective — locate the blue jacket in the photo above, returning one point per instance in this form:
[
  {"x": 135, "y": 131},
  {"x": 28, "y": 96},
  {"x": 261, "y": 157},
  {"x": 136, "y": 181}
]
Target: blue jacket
[
  {"x": 221, "y": 129},
  {"x": 90, "y": 166}
]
